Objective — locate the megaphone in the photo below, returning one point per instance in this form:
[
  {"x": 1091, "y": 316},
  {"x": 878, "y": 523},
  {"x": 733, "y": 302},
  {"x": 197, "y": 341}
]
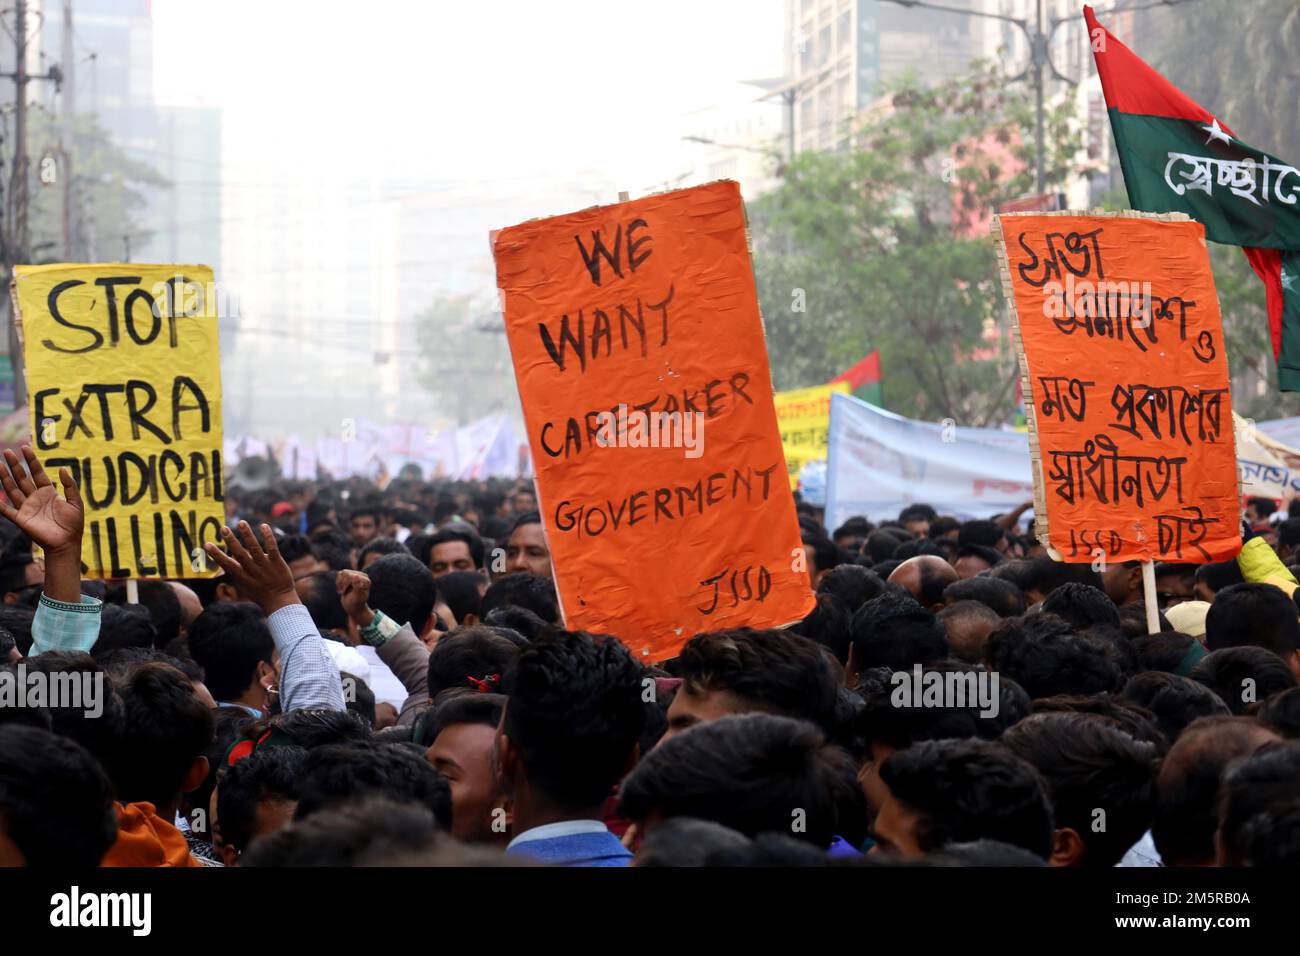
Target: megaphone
[{"x": 253, "y": 473}]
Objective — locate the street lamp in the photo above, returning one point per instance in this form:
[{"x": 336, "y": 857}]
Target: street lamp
[{"x": 1040, "y": 56}]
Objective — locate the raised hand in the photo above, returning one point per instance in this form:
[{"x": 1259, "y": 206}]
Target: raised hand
[
  {"x": 354, "y": 594},
  {"x": 257, "y": 570},
  {"x": 54, "y": 523}
]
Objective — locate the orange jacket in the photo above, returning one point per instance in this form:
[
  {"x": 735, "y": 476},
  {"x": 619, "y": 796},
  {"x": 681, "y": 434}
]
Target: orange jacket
[{"x": 146, "y": 839}]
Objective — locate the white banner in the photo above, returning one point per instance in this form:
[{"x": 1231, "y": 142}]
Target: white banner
[{"x": 879, "y": 462}]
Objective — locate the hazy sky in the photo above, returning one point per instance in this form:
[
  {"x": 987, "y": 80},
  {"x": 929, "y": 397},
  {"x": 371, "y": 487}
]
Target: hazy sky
[{"x": 481, "y": 90}]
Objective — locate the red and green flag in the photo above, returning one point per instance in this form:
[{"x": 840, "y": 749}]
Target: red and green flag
[
  {"x": 1178, "y": 157},
  {"x": 863, "y": 379}
]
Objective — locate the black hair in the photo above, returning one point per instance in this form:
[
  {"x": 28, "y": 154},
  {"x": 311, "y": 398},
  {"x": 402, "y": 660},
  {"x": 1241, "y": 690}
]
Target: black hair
[
  {"x": 574, "y": 715},
  {"x": 1081, "y": 606},
  {"x": 528, "y": 517},
  {"x": 339, "y": 774},
  {"x": 1187, "y": 785},
  {"x": 229, "y": 640},
  {"x": 688, "y": 841},
  {"x": 1263, "y": 506},
  {"x": 122, "y": 626},
  {"x": 990, "y": 556},
  {"x": 754, "y": 773},
  {"x": 472, "y": 658},
  {"x": 1164, "y": 651},
  {"x": 466, "y": 708},
  {"x": 999, "y": 594},
  {"x": 1288, "y": 532},
  {"x": 917, "y": 512},
  {"x": 1272, "y": 838},
  {"x": 1263, "y": 782},
  {"x": 1090, "y": 765},
  {"x": 403, "y": 589},
  {"x": 852, "y": 584},
  {"x": 986, "y": 853},
  {"x": 365, "y": 833},
  {"x": 98, "y": 734},
  {"x": 159, "y": 599},
  {"x": 824, "y": 552},
  {"x": 1282, "y": 712},
  {"x": 776, "y": 671},
  {"x": 1043, "y": 655},
  {"x": 1174, "y": 701},
  {"x": 896, "y": 632},
  {"x": 358, "y": 698},
  {"x": 295, "y": 546},
  {"x": 965, "y": 790},
  {"x": 883, "y": 721},
  {"x": 381, "y": 547},
  {"x": 519, "y": 621},
  {"x": 459, "y": 590},
  {"x": 1258, "y": 615},
  {"x": 1227, "y": 671},
  {"x": 164, "y": 728},
  {"x": 56, "y": 803},
  {"x": 270, "y": 774},
  {"x": 881, "y": 544},
  {"x": 1220, "y": 575},
  {"x": 18, "y": 622},
  {"x": 829, "y": 623},
  {"x": 529, "y": 591},
  {"x": 460, "y": 533},
  {"x": 314, "y": 727},
  {"x": 1045, "y": 575},
  {"x": 986, "y": 534},
  {"x": 319, "y": 593}
]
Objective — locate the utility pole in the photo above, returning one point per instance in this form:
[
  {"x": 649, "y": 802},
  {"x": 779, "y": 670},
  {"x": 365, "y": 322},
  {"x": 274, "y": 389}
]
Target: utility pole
[
  {"x": 67, "y": 135},
  {"x": 1040, "y": 60},
  {"x": 15, "y": 249}
]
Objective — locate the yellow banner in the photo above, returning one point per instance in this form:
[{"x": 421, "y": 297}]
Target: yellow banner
[
  {"x": 124, "y": 390},
  {"x": 804, "y": 415}
]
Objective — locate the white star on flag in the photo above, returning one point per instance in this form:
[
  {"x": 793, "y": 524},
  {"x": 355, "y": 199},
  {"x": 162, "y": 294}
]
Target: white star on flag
[
  {"x": 1216, "y": 132},
  {"x": 1287, "y": 279}
]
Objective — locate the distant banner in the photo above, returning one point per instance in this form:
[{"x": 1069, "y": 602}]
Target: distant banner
[
  {"x": 804, "y": 415},
  {"x": 880, "y": 462},
  {"x": 124, "y": 390}
]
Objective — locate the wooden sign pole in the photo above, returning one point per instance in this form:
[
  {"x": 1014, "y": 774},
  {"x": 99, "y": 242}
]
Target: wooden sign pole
[{"x": 1149, "y": 592}]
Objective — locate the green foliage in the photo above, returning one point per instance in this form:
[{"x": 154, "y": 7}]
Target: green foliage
[
  {"x": 464, "y": 358},
  {"x": 108, "y": 188},
  {"x": 889, "y": 241}
]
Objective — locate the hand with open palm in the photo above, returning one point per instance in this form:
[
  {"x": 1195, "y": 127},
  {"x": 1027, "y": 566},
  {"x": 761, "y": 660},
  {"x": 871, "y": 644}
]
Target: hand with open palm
[{"x": 53, "y": 522}]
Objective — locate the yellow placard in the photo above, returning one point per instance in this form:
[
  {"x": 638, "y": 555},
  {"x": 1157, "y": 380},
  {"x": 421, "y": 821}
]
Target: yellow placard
[
  {"x": 124, "y": 390},
  {"x": 804, "y": 415}
]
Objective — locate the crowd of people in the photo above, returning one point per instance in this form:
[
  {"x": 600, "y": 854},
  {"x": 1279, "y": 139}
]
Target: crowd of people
[{"x": 956, "y": 698}]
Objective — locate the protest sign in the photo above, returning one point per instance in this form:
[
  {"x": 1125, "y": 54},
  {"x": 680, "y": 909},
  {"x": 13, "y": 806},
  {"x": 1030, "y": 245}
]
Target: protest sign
[
  {"x": 638, "y": 349},
  {"x": 879, "y": 462},
  {"x": 1130, "y": 415},
  {"x": 804, "y": 415},
  {"x": 124, "y": 390}
]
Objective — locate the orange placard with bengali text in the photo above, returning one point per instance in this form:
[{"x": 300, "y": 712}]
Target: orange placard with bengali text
[
  {"x": 1122, "y": 351},
  {"x": 642, "y": 368}
]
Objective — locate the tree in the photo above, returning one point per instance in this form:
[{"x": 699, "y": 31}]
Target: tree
[
  {"x": 109, "y": 188},
  {"x": 886, "y": 244},
  {"x": 464, "y": 359}
]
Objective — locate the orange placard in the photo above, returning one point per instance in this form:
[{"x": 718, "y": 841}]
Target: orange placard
[
  {"x": 642, "y": 368},
  {"x": 1122, "y": 351}
]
